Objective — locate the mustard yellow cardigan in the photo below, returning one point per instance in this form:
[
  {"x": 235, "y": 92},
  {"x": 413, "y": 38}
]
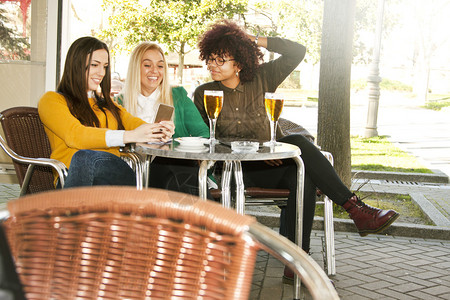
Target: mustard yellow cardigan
[{"x": 67, "y": 135}]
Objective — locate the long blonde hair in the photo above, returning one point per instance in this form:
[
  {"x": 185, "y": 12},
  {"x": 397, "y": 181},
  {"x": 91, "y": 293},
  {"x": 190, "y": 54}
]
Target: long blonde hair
[{"x": 132, "y": 86}]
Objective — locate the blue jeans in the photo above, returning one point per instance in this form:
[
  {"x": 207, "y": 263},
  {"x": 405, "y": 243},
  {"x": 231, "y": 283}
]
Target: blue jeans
[{"x": 89, "y": 168}]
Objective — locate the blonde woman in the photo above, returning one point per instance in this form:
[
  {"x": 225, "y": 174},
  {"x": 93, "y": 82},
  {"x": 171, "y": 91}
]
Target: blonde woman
[{"x": 146, "y": 86}]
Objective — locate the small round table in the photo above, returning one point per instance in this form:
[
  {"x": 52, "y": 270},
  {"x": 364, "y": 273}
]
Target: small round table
[{"x": 232, "y": 161}]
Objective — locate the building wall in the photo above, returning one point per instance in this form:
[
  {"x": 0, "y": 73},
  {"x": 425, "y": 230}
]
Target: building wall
[{"x": 23, "y": 82}]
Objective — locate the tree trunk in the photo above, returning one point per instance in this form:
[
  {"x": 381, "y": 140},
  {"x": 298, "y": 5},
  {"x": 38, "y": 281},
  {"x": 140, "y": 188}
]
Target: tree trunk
[
  {"x": 180, "y": 64},
  {"x": 333, "y": 130}
]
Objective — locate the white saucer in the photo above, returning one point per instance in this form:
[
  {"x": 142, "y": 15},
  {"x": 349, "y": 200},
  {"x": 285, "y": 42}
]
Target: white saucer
[
  {"x": 191, "y": 142},
  {"x": 200, "y": 149}
]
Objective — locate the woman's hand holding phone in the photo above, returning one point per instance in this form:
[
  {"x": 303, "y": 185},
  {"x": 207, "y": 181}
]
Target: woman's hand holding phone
[
  {"x": 168, "y": 128},
  {"x": 155, "y": 132}
]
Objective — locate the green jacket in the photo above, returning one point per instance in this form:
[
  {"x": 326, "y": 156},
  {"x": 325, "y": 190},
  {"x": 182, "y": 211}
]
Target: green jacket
[{"x": 187, "y": 119}]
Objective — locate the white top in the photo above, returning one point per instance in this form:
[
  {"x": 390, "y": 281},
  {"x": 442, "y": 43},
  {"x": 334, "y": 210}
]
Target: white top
[{"x": 147, "y": 106}]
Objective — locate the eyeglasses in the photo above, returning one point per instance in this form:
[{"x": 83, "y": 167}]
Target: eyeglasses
[{"x": 219, "y": 61}]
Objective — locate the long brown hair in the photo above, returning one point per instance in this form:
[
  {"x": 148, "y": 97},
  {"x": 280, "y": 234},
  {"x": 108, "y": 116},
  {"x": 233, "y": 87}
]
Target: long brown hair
[{"x": 73, "y": 85}]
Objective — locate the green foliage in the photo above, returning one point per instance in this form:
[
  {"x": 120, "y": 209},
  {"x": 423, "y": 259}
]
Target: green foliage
[
  {"x": 394, "y": 85},
  {"x": 280, "y": 14},
  {"x": 301, "y": 21},
  {"x": 359, "y": 84},
  {"x": 378, "y": 154},
  {"x": 174, "y": 23},
  {"x": 178, "y": 23},
  {"x": 12, "y": 46},
  {"x": 385, "y": 84},
  {"x": 438, "y": 103},
  {"x": 292, "y": 81},
  {"x": 365, "y": 25}
]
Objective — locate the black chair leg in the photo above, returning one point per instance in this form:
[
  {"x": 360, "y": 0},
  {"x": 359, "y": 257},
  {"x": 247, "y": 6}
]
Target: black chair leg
[{"x": 10, "y": 286}]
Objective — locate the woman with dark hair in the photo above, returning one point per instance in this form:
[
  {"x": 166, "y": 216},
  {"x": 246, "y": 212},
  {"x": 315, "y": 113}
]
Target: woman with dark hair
[
  {"x": 233, "y": 59},
  {"x": 85, "y": 127}
]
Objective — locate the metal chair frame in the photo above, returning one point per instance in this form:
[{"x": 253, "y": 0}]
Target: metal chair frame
[
  {"x": 256, "y": 196},
  {"x": 289, "y": 127}
]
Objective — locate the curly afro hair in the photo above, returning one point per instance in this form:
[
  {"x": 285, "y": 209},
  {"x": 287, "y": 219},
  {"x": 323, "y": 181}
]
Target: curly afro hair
[{"x": 227, "y": 38}]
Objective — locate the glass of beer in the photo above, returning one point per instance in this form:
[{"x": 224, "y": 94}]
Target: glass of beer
[
  {"x": 213, "y": 101},
  {"x": 274, "y": 105}
]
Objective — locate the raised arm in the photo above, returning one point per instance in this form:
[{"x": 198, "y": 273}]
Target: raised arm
[{"x": 291, "y": 54}]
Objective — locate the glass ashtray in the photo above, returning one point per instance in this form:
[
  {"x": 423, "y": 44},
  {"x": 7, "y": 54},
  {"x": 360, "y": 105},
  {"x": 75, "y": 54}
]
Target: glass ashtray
[{"x": 244, "y": 146}]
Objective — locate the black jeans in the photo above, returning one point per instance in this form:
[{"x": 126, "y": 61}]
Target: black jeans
[
  {"x": 10, "y": 285},
  {"x": 319, "y": 173},
  {"x": 179, "y": 175}
]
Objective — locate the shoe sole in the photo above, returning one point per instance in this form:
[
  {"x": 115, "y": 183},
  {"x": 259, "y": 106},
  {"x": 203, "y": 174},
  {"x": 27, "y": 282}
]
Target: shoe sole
[
  {"x": 381, "y": 228},
  {"x": 288, "y": 280}
]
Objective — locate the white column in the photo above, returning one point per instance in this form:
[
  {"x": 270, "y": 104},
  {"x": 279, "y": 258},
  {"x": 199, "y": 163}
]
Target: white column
[
  {"x": 52, "y": 45},
  {"x": 373, "y": 80},
  {"x": 65, "y": 31},
  {"x": 37, "y": 57}
]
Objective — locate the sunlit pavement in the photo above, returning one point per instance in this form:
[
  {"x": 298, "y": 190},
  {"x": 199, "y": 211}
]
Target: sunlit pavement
[{"x": 422, "y": 132}]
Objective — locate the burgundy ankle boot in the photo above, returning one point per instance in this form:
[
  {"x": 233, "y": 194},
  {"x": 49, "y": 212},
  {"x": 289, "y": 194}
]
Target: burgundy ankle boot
[
  {"x": 288, "y": 275},
  {"x": 369, "y": 219}
]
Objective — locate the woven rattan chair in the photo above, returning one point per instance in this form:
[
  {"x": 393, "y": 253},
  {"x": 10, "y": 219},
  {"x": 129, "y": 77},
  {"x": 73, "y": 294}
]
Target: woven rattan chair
[
  {"x": 123, "y": 243},
  {"x": 28, "y": 146}
]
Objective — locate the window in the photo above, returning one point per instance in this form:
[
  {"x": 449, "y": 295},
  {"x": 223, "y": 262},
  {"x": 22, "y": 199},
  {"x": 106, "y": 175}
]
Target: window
[{"x": 15, "y": 30}]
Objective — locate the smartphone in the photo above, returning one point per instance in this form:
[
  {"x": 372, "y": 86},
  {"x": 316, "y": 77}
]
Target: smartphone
[{"x": 164, "y": 113}]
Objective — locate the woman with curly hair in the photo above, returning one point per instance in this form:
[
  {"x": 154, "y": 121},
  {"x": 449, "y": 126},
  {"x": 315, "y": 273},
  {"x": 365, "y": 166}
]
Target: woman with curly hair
[{"x": 234, "y": 60}]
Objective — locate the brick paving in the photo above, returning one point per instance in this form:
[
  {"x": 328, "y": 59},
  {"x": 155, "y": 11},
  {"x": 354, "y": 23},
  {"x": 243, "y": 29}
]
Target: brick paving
[{"x": 373, "y": 267}]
